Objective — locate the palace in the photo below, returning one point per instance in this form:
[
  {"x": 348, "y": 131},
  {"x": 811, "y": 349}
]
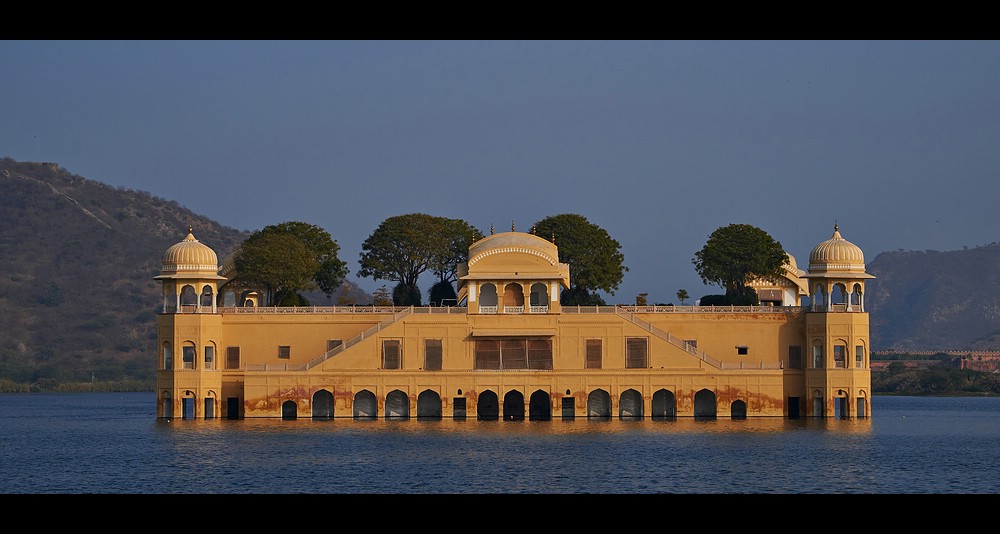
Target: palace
[{"x": 509, "y": 349}]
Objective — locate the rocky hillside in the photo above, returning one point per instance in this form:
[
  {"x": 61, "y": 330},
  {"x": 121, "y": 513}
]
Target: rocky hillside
[
  {"x": 929, "y": 300},
  {"x": 77, "y": 258}
]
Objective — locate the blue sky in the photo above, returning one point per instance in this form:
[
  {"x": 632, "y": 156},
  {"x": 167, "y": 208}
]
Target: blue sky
[{"x": 658, "y": 142}]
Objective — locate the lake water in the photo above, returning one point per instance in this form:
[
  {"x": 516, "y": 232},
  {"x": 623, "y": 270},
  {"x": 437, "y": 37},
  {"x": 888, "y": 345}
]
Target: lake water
[{"x": 113, "y": 443}]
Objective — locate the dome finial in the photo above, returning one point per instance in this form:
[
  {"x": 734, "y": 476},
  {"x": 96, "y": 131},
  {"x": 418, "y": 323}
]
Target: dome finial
[
  {"x": 190, "y": 229},
  {"x": 512, "y": 225}
]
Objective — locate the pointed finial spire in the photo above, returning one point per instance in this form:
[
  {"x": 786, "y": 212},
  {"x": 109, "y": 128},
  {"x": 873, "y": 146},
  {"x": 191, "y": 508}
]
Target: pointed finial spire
[
  {"x": 491, "y": 228},
  {"x": 533, "y": 230},
  {"x": 190, "y": 229},
  {"x": 512, "y": 225},
  {"x": 553, "y": 237}
]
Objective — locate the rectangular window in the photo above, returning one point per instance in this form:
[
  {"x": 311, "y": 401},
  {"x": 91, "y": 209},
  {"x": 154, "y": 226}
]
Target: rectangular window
[
  {"x": 232, "y": 357},
  {"x": 840, "y": 356},
  {"x": 284, "y": 352},
  {"x": 693, "y": 343},
  {"x": 595, "y": 354},
  {"x": 392, "y": 354},
  {"x": 168, "y": 357},
  {"x": 487, "y": 354},
  {"x": 209, "y": 357},
  {"x": 333, "y": 343},
  {"x": 187, "y": 356},
  {"x": 795, "y": 357},
  {"x": 458, "y": 408},
  {"x": 859, "y": 356},
  {"x": 513, "y": 354},
  {"x": 635, "y": 353},
  {"x": 432, "y": 354},
  {"x": 817, "y": 356},
  {"x": 742, "y": 350},
  {"x": 539, "y": 354}
]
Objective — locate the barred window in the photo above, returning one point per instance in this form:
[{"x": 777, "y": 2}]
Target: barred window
[
  {"x": 539, "y": 354},
  {"x": 232, "y": 357},
  {"x": 795, "y": 357},
  {"x": 513, "y": 354},
  {"x": 284, "y": 352},
  {"x": 432, "y": 354},
  {"x": 209, "y": 357},
  {"x": 487, "y": 354},
  {"x": 859, "y": 356},
  {"x": 187, "y": 356},
  {"x": 595, "y": 354},
  {"x": 635, "y": 353},
  {"x": 392, "y": 354},
  {"x": 840, "y": 356},
  {"x": 817, "y": 356}
]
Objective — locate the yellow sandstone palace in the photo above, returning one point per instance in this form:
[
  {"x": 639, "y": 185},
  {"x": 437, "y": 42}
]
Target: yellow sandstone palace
[{"x": 510, "y": 351}]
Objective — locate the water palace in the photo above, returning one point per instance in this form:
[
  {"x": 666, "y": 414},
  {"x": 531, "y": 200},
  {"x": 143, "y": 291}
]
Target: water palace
[{"x": 510, "y": 351}]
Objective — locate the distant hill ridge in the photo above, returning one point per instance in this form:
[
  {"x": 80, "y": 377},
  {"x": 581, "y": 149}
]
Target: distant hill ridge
[{"x": 78, "y": 302}]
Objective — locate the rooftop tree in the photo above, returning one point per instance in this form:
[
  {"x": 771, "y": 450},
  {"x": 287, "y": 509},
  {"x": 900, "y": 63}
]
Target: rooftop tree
[{"x": 736, "y": 254}]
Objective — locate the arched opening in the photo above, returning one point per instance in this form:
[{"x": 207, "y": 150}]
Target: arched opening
[
  {"x": 488, "y": 406},
  {"x": 488, "y": 298},
  {"x": 289, "y": 410},
  {"x": 841, "y": 408},
  {"x": 188, "y": 352},
  {"x": 838, "y": 294},
  {"x": 210, "y": 355},
  {"x": 630, "y": 405},
  {"x": 705, "y": 404},
  {"x": 428, "y": 405},
  {"x": 738, "y": 409},
  {"x": 861, "y": 406},
  {"x": 365, "y": 406},
  {"x": 539, "y": 298},
  {"x": 513, "y": 299},
  {"x": 540, "y": 406},
  {"x": 857, "y": 299},
  {"x": 819, "y": 298},
  {"x": 513, "y": 406},
  {"x": 209, "y": 402},
  {"x": 188, "y": 296},
  {"x": 322, "y": 405},
  {"x": 206, "y": 296},
  {"x": 664, "y": 405},
  {"x": 599, "y": 404},
  {"x": 397, "y": 405}
]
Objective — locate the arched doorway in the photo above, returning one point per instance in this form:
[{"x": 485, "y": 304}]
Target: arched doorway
[
  {"x": 488, "y": 406},
  {"x": 513, "y": 406},
  {"x": 540, "y": 406},
  {"x": 364, "y": 405},
  {"x": 664, "y": 405},
  {"x": 322, "y": 405},
  {"x": 397, "y": 405},
  {"x": 599, "y": 404},
  {"x": 705, "y": 404},
  {"x": 428, "y": 405},
  {"x": 630, "y": 405},
  {"x": 289, "y": 410},
  {"x": 738, "y": 409}
]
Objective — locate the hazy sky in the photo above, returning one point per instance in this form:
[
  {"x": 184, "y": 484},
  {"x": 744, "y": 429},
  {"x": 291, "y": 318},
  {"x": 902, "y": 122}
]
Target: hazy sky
[{"x": 659, "y": 143}]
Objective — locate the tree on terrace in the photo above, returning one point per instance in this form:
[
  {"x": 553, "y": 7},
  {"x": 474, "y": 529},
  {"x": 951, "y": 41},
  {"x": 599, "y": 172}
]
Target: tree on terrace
[
  {"x": 595, "y": 259},
  {"x": 736, "y": 254}
]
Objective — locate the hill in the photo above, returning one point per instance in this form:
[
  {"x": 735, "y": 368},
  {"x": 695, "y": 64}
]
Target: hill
[
  {"x": 77, "y": 258},
  {"x": 935, "y": 301}
]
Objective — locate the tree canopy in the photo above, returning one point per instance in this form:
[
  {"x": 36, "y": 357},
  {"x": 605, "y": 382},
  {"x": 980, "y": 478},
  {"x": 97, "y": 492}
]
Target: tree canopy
[
  {"x": 595, "y": 259},
  {"x": 288, "y": 258},
  {"x": 405, "y": 246},
  {"x": 735, "y": 255}
]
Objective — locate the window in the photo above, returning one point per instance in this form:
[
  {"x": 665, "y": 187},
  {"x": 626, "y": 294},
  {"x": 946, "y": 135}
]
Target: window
[
  {"x": 635, "y": 353},
  {"x": 693, "y": 343},
  {"x": 432, "y": 354},
  {"x": 595, "y": 354},
  {"x": 392, "y": 357},
  {"x": 187, "y": 356},
  {"x": 333, "y": 343},
  {"x": 513, "y": 354},
  {"x": 232, "y": 357},
  {"x": 859, "y": 356},
  {"x": 284, "y": 352},
  {"x": 487, "y": 354},
  {"x": 209, "y": 357},
  {"x": 742, "y": 350},
  {"x": 539, "y": 354},
  {"x": 795, "y": 356},
  {"x": 840, "y": 356},
  {"x": 817, "y": 356},
  {"x": 168, "y": 357}
]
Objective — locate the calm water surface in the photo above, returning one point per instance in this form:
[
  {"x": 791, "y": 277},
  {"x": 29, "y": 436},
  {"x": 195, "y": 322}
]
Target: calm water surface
[{"x": 113, "y": 443}]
